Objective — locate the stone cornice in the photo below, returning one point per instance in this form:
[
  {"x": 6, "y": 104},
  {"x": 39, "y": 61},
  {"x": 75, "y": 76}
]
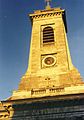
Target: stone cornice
[
  {"x": 56, "y": 98},
  {"x": 46, "y": 13}
]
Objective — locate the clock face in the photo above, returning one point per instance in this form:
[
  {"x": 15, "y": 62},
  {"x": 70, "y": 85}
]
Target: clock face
[{"x": 49, "y": 61}]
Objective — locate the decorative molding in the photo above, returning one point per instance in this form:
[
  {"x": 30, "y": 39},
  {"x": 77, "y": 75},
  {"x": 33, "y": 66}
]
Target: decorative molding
[{"x": 46, "y": 15}]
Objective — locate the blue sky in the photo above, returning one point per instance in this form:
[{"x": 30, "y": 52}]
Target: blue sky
[{"x": 15, "y": 33}]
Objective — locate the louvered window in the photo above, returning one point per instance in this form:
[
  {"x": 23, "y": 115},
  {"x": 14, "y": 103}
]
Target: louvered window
[{"x": 48, "y": 35}]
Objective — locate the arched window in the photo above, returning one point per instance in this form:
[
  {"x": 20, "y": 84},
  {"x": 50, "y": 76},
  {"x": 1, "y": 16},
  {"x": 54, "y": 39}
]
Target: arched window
[{"x": 48, "y": 35}]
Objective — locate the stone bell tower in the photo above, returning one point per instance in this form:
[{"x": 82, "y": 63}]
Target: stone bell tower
[
  {"x": 51, "y": 88},
  {"x": 50, "y": 66}
]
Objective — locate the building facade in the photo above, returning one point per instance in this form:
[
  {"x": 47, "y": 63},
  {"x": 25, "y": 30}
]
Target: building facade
[{"x": 51, "y": 88}]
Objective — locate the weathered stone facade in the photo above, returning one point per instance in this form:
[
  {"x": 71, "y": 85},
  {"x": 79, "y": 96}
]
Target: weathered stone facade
[
  {"x": 62, "y": 72},
  {"x": 52, "y": 88}
]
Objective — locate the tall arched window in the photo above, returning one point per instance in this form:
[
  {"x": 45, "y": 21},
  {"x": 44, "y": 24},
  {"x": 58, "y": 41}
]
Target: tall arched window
[{"x": 48, "y": 35}]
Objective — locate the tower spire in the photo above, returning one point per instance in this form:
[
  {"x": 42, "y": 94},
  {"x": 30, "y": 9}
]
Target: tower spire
[{"x": 48, "y": 4}]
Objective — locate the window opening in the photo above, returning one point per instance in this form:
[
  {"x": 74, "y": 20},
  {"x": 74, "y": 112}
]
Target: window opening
[{"x": 48, "y": 35}]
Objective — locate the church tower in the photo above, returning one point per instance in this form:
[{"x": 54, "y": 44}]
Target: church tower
[
  {"x": 50, "y": 67},
  {"x": 51, "y": 88}
]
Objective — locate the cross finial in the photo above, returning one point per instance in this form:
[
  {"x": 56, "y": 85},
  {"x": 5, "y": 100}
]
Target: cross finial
[{"x": 48, "y": 4}]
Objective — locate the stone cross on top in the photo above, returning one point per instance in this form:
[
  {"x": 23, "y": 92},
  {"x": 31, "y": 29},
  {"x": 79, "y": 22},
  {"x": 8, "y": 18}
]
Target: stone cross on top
[{"x": 48, "y": 4}]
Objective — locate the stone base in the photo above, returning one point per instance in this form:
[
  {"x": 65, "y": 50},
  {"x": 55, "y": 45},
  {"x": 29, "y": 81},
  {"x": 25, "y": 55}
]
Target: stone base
[
  {"x": 65, "y": 107},
  {"x": 50, "y": 91}
]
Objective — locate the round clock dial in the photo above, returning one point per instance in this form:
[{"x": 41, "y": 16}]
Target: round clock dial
[{"x": 49, "y": 60}]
